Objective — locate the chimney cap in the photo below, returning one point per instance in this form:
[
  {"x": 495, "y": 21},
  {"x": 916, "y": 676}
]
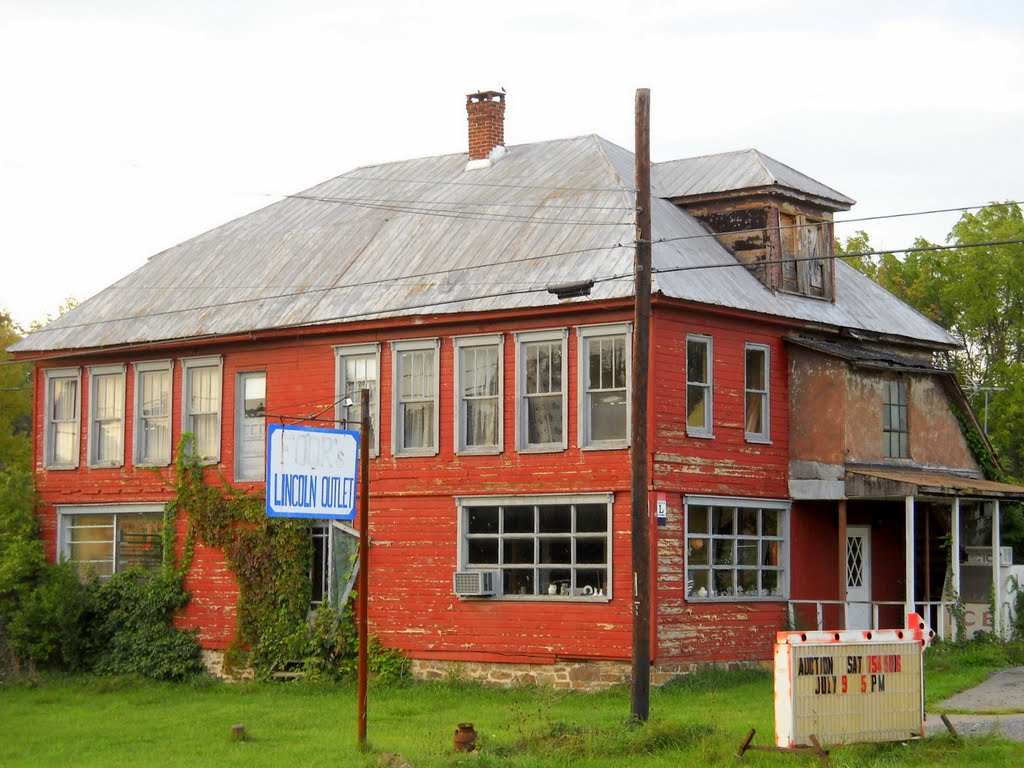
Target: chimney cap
[{"x": 486, "y": 95}]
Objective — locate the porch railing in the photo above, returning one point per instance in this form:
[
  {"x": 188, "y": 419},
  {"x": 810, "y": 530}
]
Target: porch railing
[{"x": 936, "y": 613}]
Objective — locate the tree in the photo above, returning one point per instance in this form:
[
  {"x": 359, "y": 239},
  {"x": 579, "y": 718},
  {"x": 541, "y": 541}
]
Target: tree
[{"x": 15, "y": 401}]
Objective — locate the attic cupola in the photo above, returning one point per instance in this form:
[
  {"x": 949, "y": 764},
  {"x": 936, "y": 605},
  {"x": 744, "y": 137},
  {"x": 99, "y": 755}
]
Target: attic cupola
[
  {"x": 486, "y": 111},
  {"x": 771, "y": 217}
]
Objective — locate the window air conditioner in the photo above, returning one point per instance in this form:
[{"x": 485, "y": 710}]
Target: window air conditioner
[{"x": 475, "y": 583}]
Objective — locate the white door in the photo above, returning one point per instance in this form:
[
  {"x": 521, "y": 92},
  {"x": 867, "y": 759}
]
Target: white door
[{"x": 858, "y": 577}]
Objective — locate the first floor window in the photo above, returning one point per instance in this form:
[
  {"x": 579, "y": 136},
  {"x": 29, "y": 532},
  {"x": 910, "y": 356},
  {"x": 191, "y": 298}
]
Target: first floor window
[
  {"x": 478, "y": 393},
  {"x": 153, "y": 413},
  {"x": 201, "y": 395},
  {"x": 104, "y": 540},
  {"x": 60, "y": 439},
  {"x": 698, "y": 386},
  {"x": 543, "y": 547},
  {"x": 540, "y": 386},
  {"x": 895, "y": 424},
  {"x": 604, "y": 382},
  {"x": 357, "y": 369},
  {"x": 416, "y": 395},
  {"x": 334, "y": 563},
  {"x": 734, "y": 548},
  {"x": 755, "y": 408},
  {"x": 106, "y": 416}
]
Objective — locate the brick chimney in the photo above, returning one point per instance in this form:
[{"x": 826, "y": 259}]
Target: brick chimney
[{"x": 486, "y": 123}]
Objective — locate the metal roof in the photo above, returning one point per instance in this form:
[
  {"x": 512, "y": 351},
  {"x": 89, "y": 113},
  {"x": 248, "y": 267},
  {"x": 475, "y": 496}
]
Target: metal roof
[
  {"x": 741, "y": 170},
  {"x": 425, "y": 237},
  {"x": 927, "y": 482}
]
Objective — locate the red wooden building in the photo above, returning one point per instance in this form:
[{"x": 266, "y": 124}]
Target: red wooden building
[{"x": 806, "y": 450}]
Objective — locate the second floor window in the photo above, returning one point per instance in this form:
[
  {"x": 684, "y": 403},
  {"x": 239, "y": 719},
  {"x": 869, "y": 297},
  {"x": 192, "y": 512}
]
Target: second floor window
[
  {"x": 604, "y": 380},
  {"x": 698, "y": 386},
  {"x": 251, "y": 426},
  {"x": 357, "y": 369},
  {"x": 755, "y": 414},
  {"x": 478, "y": 393},
  {"x": 541, "y": 378},
  {"x": 895, "y": 424},
  {"x": 415, "y": 397},
  {"x": 153, "y": 413},
  {"x": 106, "y": 416},
  {"x": 201, "y": 405},
  {"x": 60, "y": 439}
]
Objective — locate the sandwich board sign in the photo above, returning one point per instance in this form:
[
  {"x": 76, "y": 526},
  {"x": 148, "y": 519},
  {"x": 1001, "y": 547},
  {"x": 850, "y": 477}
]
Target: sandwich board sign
[
  {"x": 311, "y": 472},
  {"x": 847, "y": 686}
]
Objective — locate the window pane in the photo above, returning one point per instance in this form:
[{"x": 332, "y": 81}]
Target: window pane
[
  {"x": 608, "y": 416},
  {"x": 518, "y": 581},
  {"x": 556, "y": 551},
  {"x": 418, "y": 425},
  {"x": 483, "y": 519},
  {"x": 556, "y": 519},
  {"x": 481, "y": 427},
  {"x": 252, "y": 427},
  {"x": 518, "y": 551},
  {"x": 544, "y": 420},
  {"x": 754, "y": 415},
  {"x": 154, "y": 408},
  {"x": 695, "y": 407},
  {"x": 697, "y": 519},
  {"x": 139, "y": 541},
  {"x": 755, "y": 369},
  {"x": 592, "y": 517},
  {"x": 359, "y": 372},
  {"x": 483, "y": 551},
  {"x": 592, "y": 550},
  {"x": 519, "y": 520}
]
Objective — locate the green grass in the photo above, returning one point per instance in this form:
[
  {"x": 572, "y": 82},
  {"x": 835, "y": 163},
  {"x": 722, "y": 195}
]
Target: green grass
[{"x": 699, "y": 720}]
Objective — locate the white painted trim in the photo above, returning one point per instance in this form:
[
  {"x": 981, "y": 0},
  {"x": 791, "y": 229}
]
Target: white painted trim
[
  {"x": 397, "y": 348},
  {"x": 585, "y": 334},
  {"x": 50, "y": 375},
  {"x": 90, "y": 432},
  {"x": 187, "y": 364},
  {"x": 529, "y": 337},
  {"x": 340, "y": 412},
  {"x": 709, "y": 405},
  {"x": 151, "y": 366}
]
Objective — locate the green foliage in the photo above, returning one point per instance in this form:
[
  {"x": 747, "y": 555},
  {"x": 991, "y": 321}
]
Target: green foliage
[
  {"x": 132, "y": 632},
  {"x": 15, "y": 401}
]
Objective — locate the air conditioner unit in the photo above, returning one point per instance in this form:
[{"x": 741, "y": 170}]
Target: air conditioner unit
[{"x": 476, "y": 583}]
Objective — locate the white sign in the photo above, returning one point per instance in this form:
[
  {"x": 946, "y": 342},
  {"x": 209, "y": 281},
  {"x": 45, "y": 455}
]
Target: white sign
[
  {"x": 311, "y": 472},
  {"x": 850, "y": 685}
]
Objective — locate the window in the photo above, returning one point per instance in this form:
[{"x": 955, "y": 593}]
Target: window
[
  {"x": 106, "y": 416},
  {"x": 415, "y": 397},
  {"x": 62, "y": 418},
  {"x": 357, "y": 369},
  {"x": 104, "y": 540},
  {"x": 605, "y": 362},
  {"x": 540, "y": 387},
  {"x": 478, "y": 394},
  {"x": 698, "y": 386},
  {"x": 806, "y": 253},
  {"x": 334, "y": 564},
  {"x": 251, "y": 426},
  {"x": 755, "y": 411},
  {"x": 153, "y": 413},
  {"x": 735, "y": 548},
  {"x": 895, "y": 425},
  {"x": 546, "y": 546},
  {"x": 201, "y": 405}
]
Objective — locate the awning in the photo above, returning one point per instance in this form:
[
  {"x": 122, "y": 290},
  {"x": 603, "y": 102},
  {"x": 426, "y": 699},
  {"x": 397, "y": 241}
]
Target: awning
[{"x": 893, "y": 483}]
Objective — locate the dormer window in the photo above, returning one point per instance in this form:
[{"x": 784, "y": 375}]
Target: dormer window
[{"x": 805, "y": 255}]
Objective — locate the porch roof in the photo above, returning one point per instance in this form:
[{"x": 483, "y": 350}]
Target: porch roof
[{"x": 865, "y": 482}]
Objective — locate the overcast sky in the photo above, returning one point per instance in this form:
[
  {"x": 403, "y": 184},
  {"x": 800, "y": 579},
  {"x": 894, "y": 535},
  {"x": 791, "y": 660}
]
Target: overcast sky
[{"x": 129, "y": 126}]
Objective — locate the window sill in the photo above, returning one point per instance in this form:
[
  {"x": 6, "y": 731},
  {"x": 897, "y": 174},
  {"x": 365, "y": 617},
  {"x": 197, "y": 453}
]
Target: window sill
[
  {"x": 60, "y": 467},
  {"x": 701, "y": 435},
  {"x": 541, "y": 599},
  {"x": 542, "y": 449},
  {"x": 150, "y": 464},
  {"x": 758, "y": 439},
  {"x": 489, "y": 451},
  {"x": 418, "y": 454},
  {"x": 616, "y": 445},
  {"x": 106, "y": 465},
  {"x": 738, "y": 599}
]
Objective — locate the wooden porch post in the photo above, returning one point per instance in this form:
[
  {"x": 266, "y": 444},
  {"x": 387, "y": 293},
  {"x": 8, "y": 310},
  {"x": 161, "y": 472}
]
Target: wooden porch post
[
  {"x": 997, "y": 588},
  {"x": 843, "y": 555},
  {"x": 908, "y": 600},
  {"x": 954, "y": 554}
]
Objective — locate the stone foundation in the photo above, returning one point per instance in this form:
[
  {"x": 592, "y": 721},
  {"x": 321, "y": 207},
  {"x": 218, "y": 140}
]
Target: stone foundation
[{"x": 214, "y": 663}]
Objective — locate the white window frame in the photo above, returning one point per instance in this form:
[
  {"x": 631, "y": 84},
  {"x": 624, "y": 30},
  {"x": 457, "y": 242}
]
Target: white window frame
[
  {"x": 764, "y": 436},
  {"x": 240, "y": 378},
  {"x": 586, "y": 336},
  {"x": 139, "y": 425},
  {"x": 51, "y": 376},
  {"x": 189, "y": 364},
  {"x": 708, "y": 344},
  {"x": 68, "y": 512},
  {"x": 461, "y": 344},
  {"x": 893, "y": 433},
  {"x": 92, "y": 438},
  {"x": 733, "y": 565},
  {"x": 463, "y": 503},
  {"x": 560, "y": 335},
  {"x": 341, "y": 412},
  {"x": 334, "y": 587},
  {"x": 398, "y": 348}
]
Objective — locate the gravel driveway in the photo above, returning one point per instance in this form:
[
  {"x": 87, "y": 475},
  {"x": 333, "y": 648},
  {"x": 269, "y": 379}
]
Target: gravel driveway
[{"x": 1002, "y": 692}]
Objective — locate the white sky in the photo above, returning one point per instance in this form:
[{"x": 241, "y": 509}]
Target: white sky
[{"x": 128, "y": 126}]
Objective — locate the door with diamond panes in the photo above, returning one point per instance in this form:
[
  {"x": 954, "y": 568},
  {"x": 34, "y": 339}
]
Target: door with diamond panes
[{"x": 858, "y": 577}]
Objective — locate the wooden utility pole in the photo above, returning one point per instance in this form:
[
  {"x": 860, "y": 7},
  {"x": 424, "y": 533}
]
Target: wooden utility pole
[
  {"x": 641, "y": 529},
  {"x": 364, "y": 551}
]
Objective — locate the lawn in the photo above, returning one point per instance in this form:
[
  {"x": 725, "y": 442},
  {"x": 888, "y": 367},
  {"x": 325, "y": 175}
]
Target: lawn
[{"x": 699, "y": 721}]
